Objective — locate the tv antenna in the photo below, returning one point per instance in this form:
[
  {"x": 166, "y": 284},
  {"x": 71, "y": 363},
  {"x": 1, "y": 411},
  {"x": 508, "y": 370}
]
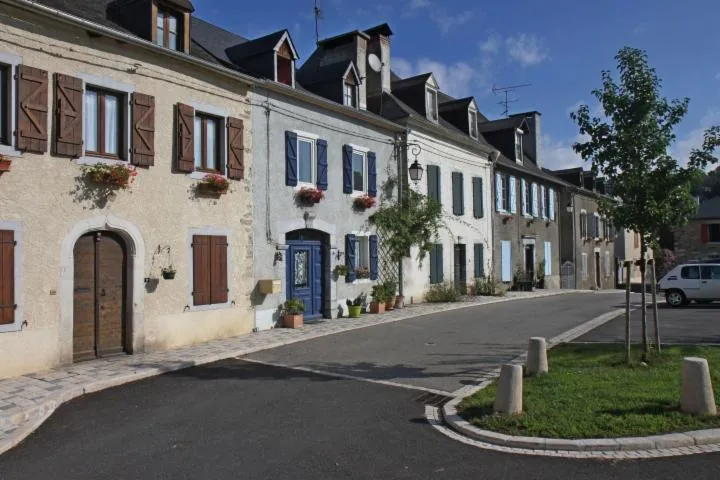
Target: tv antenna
[
  {"x": 508, "y": 100},
  {"x": 318, "y": 16}
]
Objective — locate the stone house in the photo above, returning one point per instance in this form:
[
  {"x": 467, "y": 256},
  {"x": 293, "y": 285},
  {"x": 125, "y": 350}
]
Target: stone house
[
  {"x": 525, "y": 218},
  {"x": 587, "y": 239},
  {"x": 700, "y": 238},
  {"x": 90, "y": 270}
]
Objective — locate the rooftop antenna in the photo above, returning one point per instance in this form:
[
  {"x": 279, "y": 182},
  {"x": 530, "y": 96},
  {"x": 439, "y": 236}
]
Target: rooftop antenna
[
  {"x": 318, "y": 16},
  {"x": 507, "y": 101}
]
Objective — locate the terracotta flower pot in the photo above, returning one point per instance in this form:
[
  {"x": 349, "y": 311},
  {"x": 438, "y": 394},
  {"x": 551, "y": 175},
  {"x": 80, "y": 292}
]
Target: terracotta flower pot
[
  {"x": 292, "y": 321},
  {"x": 377, "y": 307},
  {"x": 390, "y": 304},
  {"x": 354, "y": 311},
  {"x": 5, "y": 165}
]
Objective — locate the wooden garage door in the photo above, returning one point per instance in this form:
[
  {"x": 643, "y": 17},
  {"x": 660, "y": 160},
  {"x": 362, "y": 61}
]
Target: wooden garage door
[{"x": 99, "y": 305}]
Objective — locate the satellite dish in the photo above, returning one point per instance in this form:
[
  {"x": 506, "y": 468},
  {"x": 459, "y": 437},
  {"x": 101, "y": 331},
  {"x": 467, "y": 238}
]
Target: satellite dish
[{"x": 374, "y": 62}]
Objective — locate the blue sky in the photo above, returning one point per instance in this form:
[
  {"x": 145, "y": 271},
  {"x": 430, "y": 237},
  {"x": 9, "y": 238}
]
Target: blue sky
[{"x": 558, "y": 46}]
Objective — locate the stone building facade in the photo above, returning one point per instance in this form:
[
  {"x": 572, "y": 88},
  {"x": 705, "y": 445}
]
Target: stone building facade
[{"x": 700, "y": 238}]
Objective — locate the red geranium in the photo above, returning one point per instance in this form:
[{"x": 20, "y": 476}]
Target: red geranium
[{"x": 309, "y": 195}]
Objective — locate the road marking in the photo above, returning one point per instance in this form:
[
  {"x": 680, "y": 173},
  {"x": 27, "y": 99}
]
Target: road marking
[{"x": 346, "y": 377}]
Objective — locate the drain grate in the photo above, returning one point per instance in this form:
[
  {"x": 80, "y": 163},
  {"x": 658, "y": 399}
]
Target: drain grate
[{"x": 433, "y": 399}]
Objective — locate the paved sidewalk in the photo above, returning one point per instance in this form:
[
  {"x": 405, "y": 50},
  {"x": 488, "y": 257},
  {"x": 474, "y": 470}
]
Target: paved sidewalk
[{"x": 27, "y": 401}]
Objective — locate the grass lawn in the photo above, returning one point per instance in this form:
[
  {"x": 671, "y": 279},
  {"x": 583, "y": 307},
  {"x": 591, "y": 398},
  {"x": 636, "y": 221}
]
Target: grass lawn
[{"x": 590, "y": 393}]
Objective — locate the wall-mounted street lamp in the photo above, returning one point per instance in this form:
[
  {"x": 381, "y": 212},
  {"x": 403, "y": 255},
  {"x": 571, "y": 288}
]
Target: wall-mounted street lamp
[
  {"x": 416, "y": 170},
  {"x": 569, "y": 207}
]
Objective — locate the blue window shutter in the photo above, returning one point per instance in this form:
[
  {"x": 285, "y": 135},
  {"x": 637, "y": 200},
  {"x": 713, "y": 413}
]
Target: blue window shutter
[
  {"x": 290, "y": 158},
  {"x": 436, "y": 264},
  {"x": 440, "y": 267},
  {"x": 523, "y": 196},
  {"x": 372, "y": 174},
  {"x": 479, "y": 261},
  {"x": 548, "y": 258},
  {"x": 457, "y": 192},
  {"x": 498, "y": 192},
  {"x": 347, "y": 169},
  {"x": 506, "y": 259},
  {"x": 433, "y": 182},
  {"x": 322, "y": 165},
  {"x": 513, "y": 196},
  {"x": 373, "y": 242},
  {"x": 350, "y": 240},
  {"x": 478, "y": 198}
]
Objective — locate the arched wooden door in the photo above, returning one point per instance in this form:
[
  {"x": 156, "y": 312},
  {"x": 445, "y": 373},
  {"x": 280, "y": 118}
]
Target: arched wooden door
[{"x": 99, "y": 298}]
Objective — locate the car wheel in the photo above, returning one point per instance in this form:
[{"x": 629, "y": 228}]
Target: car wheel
[{"x": 675, "y": 298}]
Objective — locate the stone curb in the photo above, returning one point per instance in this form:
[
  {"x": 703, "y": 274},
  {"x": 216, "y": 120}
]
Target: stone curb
[
  {"x": 29, "y": 419},
  {"x": 450, "y": 416}
]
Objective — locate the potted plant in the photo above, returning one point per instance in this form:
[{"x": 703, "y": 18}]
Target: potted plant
[
  {"x": 309, "y": 196},
  {"x": 213, "y": 184},
  {"x": 355, "y": 306},
  {"x": 340, "y": 271},
  {"x": 291, "y": 313},
  {"x": 390, "y": 292},
  {"x": 363, "y": 202},
  {"x": 380, "y": 296},
  {"x": 541, "y": 275},
  {"x": 362, "y": 272},
  {"x": 115, "y": 175},
  {"x": 4, "y": 164},
  {"x": 168, "y": 273}
]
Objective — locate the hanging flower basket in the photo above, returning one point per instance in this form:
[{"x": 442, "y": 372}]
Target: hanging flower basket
[
  {"x": 364, "y": 202},
  {"x": 309, "y": 196},
  {"x": 114, "y": 176},
  {"x": 213, "y": 184}
]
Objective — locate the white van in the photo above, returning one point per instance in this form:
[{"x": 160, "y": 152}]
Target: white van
[{"x": 692, "y": 281}]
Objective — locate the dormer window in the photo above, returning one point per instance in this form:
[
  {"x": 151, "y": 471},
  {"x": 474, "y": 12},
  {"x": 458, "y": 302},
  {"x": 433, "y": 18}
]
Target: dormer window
[
  {"x": 472, "y": 121},
  {"x": 350, "y": 95},
  {"x": 285, "y": 64},
  {"x": 431, "y": 104},
  {"x": 518, "y": 146},
  {"x": 167, "y": 28},
  {"x": 350, "y": 84}
]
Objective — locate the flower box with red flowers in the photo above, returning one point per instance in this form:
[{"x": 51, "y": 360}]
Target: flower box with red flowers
[
  {"x": 111, "y": 175},
  {"x": 213, "y": 184},
  {"x": 363, "y": 202},
  {"x": 309, "y": 195}
]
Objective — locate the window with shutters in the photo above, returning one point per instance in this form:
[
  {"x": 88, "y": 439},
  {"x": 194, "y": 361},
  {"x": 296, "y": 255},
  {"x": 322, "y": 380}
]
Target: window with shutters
[
  {"x": 210, "y": 269},
  {"x": 10, "y": 287},
  {"x": 306, "y": 160},
  {"x": 208, "y": 143},
  {"x": 104, "y": 132}
]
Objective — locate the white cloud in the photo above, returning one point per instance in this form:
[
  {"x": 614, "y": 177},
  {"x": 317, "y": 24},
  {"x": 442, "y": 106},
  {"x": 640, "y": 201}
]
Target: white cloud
[
  {"x": 558, "y": 155},
  {"x": 456, "y": 79},
  {"x": 680, "y": 150},
  {"x": 491, "y": 46},
  {"x": 415, "y": 4},
  {"x": 447, "y": 22},
  {"x": 526, "y": 49}
]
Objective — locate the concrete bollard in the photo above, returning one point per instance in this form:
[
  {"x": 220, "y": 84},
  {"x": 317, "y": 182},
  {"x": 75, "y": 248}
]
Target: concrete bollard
[
  {"x": 508, "y": 398},
  {"x": 697, "y": 394},
  {"x": 537, "y": 362}
]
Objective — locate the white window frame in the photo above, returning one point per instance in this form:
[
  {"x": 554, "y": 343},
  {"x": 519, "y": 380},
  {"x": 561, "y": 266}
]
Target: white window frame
[
  {"x": 125, "y": 90},
  {"x": 292, "y": 62},
  {"x": 504, "y": 200},
  {"x": 473, "y": 132},
  {"x": 434, "y": 92},
  {"x": 365, "y": 243},
  {"x": 519, "y": 146},
  {"x": 11, "y": 61},
  {"x": 583, "y": 224},
  {"x": 312, "y": 139},
  {"x": 354, "y": 89},
  {"x": 364, "y": 151},
  {"x": 16, "y": 227},
  {"x": 214, "y": 231}
]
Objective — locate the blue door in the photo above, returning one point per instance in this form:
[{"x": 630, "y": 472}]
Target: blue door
[{"x": 304, "y": 275}]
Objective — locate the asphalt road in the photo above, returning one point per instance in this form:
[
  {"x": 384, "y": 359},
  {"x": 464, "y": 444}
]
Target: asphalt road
[
  {"x": 443, "y": 351},
  {"x": 692, "y": 324},
  {"x": 233, "y": 420}
]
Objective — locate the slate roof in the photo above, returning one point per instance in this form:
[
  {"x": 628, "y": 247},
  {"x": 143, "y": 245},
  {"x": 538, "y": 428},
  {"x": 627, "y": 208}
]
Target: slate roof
[
  {"x": 500, "y": 124},
  {"x": 410, "y": 81},
  {"x": 213, "y": 40},
  {"x": 258, "y": 46},
  {"x": 709, "y": 209},
  {"x": 333, "y": 72}
]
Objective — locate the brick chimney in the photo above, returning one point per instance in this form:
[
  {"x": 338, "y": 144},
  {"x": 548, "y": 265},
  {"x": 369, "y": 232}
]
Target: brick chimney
[{"x": 379, "y": 45}]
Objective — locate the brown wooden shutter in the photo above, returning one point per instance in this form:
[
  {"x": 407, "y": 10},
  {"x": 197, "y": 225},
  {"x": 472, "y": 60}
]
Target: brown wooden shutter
[
  {"x": 201, "y": 269},
  {"x": 236, "y": 149},
  {"x": 186, "y": 138},
  {"x": 7, "y": 277},
  {"x": 32, "y": 135},
  {"x": 68, "y": 116},
  {"x": 143, "y": 130},
  {"x": 218, "y": 270}
]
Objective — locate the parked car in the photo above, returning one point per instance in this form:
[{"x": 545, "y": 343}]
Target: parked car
[{"x": 699, "y": 282}]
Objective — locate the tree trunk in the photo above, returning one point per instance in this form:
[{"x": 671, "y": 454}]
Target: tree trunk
[
  {"x": 655, "y": 306},
  {"x": 628, "y": 272},
  {"x": 643, "y": 304}
]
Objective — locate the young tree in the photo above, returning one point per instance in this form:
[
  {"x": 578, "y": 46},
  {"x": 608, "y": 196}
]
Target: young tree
[{"x": 629, "y": 146}]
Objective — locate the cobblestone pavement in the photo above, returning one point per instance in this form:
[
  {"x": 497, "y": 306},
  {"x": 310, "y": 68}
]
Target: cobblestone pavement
[{"x": 27, "y": 401}]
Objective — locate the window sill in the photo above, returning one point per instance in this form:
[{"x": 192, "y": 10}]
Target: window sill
[
  {"x": 13, "y": 327},
  {"x": 200, "y": 175},
  {"x": 302, "y": 185},
  {"x": 9, "y": 151},
  {"x": 92, "y": 160},
  {"x": 206, "y": 308},
  {"x": 357, "y": 194}
]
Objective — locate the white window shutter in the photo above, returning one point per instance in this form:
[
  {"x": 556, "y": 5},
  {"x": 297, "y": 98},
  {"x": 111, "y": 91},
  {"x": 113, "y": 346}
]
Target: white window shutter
[
  {"x": 551, "y": 204},
  {"x": 523, "y": 195},
  {"x": 498, "y": 192},
  {"x": 548, "y": 258},
  {"x": 513, "y": 199},
  {"x": 506, "y": 259},
  {"x": 543, "y": 213},
  {"x": 534, "y": 200}
]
